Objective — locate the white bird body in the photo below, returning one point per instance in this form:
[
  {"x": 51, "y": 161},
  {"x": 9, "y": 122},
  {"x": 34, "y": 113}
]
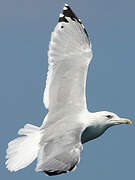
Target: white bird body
[
  {"x": 77, "y": 119},
  {"x": 58, "y": 142}
]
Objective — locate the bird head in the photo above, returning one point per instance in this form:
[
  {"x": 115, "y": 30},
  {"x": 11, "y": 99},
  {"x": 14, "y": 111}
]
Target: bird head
[
  {"x": 99, "y": 122},
  {"x": 110, "y": 119}
]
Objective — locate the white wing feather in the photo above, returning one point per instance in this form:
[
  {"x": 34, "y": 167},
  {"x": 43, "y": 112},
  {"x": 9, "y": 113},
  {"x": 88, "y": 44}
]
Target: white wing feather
[{"x": 69, "y": 56}]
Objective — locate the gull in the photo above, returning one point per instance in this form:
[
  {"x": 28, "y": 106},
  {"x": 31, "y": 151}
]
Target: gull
[{"x": 57, "y": 143}]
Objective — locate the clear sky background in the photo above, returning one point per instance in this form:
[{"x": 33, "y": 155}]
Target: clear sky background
[{"x": 25, "y": 28}]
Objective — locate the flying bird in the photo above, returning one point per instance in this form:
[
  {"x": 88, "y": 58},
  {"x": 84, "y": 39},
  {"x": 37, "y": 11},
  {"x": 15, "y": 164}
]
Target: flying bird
[{"x": 58, "y": 142}]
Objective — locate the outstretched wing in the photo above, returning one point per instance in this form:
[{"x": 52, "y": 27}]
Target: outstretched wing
[
  {"x": 69, "y": 56},
  {"x": 61, "y": 154}
]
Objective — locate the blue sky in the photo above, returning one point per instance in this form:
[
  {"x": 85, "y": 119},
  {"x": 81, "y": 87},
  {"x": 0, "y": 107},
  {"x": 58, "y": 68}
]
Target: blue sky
[{"x": 25, "y": 27}]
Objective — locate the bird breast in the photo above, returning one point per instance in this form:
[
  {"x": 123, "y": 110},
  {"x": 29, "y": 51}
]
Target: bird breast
[{"x": 91, "y": 133}]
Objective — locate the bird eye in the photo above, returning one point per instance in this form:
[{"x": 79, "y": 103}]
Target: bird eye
[{"x": 109, "y": 116}]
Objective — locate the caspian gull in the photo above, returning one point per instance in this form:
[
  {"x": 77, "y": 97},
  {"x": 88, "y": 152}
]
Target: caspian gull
[{"x": 58, "y": 142}]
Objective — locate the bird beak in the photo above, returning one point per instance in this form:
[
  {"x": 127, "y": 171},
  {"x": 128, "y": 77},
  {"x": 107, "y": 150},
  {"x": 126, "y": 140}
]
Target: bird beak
[{"x": 122, "y": 121}]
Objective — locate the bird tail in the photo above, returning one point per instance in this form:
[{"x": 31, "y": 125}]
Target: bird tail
[{"x": 22, "y": 151}]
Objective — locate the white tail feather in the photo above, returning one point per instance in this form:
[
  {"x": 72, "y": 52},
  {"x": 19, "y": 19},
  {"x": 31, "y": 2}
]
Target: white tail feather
[{"x": 23, "y": 150}]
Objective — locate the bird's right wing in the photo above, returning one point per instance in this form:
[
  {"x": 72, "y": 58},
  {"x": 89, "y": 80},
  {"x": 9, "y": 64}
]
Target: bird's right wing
[{"x": 69, "y": 56}]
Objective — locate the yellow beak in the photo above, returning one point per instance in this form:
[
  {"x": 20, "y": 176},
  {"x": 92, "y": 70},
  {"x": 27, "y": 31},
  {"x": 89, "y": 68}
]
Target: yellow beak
[
  {"x": 121, "y": 121},
  {"x": 124, "y": 121}
]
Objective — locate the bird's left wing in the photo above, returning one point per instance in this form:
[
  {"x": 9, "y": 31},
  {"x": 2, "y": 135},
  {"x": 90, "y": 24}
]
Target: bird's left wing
[
  {"x": 69, "y": 56},
  {"x": 60, "y": 154}
]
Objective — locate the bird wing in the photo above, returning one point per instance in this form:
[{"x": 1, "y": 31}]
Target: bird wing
[
  {"x": 69, "y": 56},
  {"x": 60, "y": 154}
]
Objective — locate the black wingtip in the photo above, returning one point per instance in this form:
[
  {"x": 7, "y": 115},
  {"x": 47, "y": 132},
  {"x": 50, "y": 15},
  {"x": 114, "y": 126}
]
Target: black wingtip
[
  {"x": 67, "y": 12},
  {"x": 54, "y": 173},
  {"x": 62, "y": 18},
  {"x": 58, "y": 172}
]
